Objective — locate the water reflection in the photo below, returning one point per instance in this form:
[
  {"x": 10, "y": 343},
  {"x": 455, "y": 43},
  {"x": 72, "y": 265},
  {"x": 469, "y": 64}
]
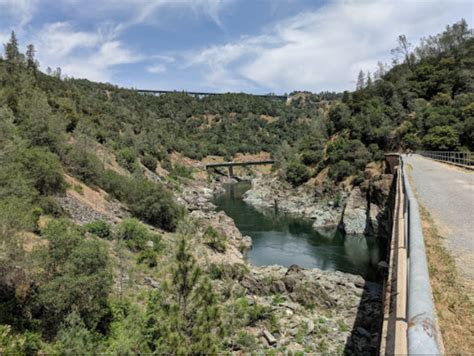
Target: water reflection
[{"x": 286, "y": 240}]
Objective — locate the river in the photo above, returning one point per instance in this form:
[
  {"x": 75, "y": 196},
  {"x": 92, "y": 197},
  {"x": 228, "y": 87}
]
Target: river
[{"x": 286, "y": 240}]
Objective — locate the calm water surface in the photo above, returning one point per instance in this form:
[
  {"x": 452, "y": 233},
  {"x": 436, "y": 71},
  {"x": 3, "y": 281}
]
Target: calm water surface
[{"x": 286, "y": 240}]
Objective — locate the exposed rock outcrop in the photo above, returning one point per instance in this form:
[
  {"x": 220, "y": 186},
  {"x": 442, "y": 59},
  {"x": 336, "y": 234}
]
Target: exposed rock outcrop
[
  {"x": 354, "y": 218},
  {"x": 270, "y": 192},
  {"x": 236, "y": 243},
  {"x": 367, "y": 207},
  {"x": 315, "y": 310}
]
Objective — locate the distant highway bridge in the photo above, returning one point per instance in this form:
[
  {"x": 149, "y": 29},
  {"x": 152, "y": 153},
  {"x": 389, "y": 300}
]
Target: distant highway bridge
[{"x": 198, "y": 94}]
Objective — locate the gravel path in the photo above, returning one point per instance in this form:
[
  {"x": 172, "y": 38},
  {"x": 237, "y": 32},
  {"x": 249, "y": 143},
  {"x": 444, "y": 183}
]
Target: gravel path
[{"x": 447, "y": 192}]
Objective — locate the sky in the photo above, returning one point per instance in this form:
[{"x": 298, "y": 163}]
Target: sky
[{"x": 253, "y": 46}]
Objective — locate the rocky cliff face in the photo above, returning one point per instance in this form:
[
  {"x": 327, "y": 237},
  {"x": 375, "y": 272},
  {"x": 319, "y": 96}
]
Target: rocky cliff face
[
  {"x": 362, "y": 210},
  {"x": 312, "y": 310},
  {"x": 354, "y": 218},
  {"x": 366, "y": 210},
  {"x": 268, "y": 192}
]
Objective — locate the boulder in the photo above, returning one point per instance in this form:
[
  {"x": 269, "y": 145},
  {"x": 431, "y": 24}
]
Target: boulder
[
  {"x": 151, "y": 282},
  {"x": 293, "y": 276},
  {"x": 354, "y": 218},
  {"x": 253, "y": 285},
  {"x": 269, "y": 337},
  {"x": 278, "y": 287}
]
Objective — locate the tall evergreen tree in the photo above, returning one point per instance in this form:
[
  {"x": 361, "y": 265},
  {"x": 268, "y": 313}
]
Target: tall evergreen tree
[
  {"x": 12, "y": 54},
  {"x": 183, "y": 316},
  {"x": 360, "y": 80},
  {"x": 31, "y": 62},
  {"x": 369, "y": 80}
]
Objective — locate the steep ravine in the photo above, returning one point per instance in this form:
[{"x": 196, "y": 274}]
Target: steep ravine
[
  {"x": 316, "y": 310},
  {"x": 311, "y": 310}
]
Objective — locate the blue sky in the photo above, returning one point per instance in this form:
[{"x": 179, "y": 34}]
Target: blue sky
[{"x": 255, "y": 46}]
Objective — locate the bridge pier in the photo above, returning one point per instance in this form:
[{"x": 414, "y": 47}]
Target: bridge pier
[{"x": 231, "y": 171}]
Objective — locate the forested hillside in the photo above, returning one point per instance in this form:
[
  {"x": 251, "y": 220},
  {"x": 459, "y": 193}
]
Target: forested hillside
[{"x": 57, "y": 278}]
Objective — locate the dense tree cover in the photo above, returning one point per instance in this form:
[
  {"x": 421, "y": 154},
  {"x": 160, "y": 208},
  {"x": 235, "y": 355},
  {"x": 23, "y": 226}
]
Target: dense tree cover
[
  {"x": 425, "y": 101},
  {"x": 405, "y": 107}
]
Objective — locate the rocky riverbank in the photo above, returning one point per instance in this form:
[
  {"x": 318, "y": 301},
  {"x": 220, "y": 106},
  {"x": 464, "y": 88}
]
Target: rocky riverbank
[
  {"x": 354, "y": 210},
  {"x": 287, "y": 309},
  {"x": 269, "y": 191},
  {"x": 314, "y": 310}
]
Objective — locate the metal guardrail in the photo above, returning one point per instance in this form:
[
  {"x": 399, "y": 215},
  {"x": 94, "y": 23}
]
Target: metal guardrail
[
  {"x": 464, "y": 159},
  {"x": 409, "y": 323},
  {"x": 422, "y": 330}
]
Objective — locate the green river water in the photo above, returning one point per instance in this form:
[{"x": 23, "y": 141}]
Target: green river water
[{"x": 286, "y": 240}]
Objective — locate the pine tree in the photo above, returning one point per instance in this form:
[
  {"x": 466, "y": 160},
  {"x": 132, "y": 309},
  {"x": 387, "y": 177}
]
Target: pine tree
[
  {"x": 31, "y": 63},
  {"x": 369, "y": 80},
  {"x": 12, "y": 54},
  {"x": 183, "y": 317},
  {"x": 57, "y": 73},
  {"x": 360, "y": 80}
]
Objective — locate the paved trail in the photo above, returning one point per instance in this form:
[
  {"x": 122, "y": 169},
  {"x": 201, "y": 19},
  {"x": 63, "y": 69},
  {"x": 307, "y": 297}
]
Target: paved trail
[{"x": 447, "y": 192}]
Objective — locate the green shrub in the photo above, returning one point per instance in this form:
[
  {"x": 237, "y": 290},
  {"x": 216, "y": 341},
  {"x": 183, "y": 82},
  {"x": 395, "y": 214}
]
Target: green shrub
[
  {"x": 44, "y": 169},
  {"x": 149, "y": 201},
  {"x": 84, "y": 166},
  {"x": 100, "y": 228},
  {"x": 376, "y": 152},
  {"x": 411, "y": 141},
  {"x": 216, "y": 271},
  {"x": 441, "y": 138},
  {"x": 246, "y": 341},
  {"x": 74, "y": 337},
  {"x": 250, "y": 314},
  {"x": 115, "y": 184},
  {"x": 134, "y": 233},
  {"x": 75, "y": 277},
  {"x": 309, "y": 157},
  {"x": 278, "y": 299},
  {"x": 49, "y": 206},
  {"x": 149, "y": 162},
  {"x": 153, "y": 203},
  {"x": 347, "y": 157},
  {"x": 127, "y": 158},
  {"x": 215, "y": 240},
  {"x": 148, "y": 257},
  {"x": 340, "y": 170},
  {"x": 181, "y": 171},
  {"x": 297, "y": 173},
  {"x": 337, "y": 199},
  {"x": 18, "y": 344}
]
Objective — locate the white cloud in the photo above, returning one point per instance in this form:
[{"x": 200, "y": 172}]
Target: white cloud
[
  {"x": 156, "y": 68},
  {"x": 59, "y": 39},
  {"x": 19, "y": 11},
  {"x": 81, "y": 54},
  {"x": 324, "y": 49},
  {"x": 128, "y": 13},
  {"x": 4, "y": 37},
  {"x": 164, "y": 58}
]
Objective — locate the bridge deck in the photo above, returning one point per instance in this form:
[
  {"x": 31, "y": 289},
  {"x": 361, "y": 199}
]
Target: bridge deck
[
  {"x": 244, "y": 163},
  {"x": 194, "y": 93},
  {"x": 448, "y": 194}
]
